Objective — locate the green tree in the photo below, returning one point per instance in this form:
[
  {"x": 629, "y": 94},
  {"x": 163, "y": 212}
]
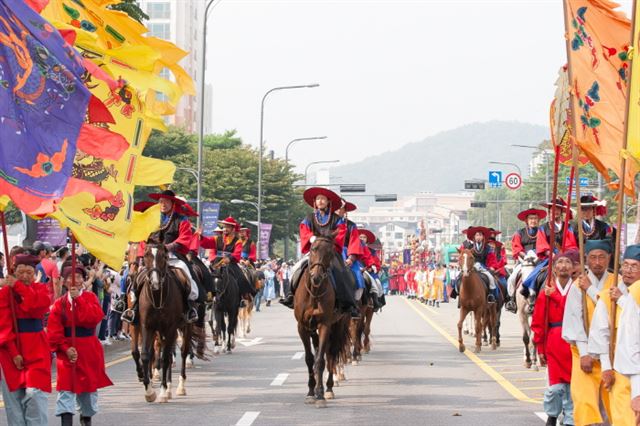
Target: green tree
[{"x": 131, "y": 8}]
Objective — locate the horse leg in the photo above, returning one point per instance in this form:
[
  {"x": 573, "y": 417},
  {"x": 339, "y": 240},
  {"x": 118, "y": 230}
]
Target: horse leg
[
  {"x": 328, "y": 394},
  {"x": 319, "y": 364},
  {"x": 157, "y": 360},
  {"x": 463, "y": 315},
  {"x": 493, "y": 330},
  {"x": 167, "y": 358},
  {"x": 184, "y": 351},
  {"x": 479, "y": 328},
  {"x": 308, "y": 359},
  {"x": 218, "y": 331},
  {"x": 135, "y": 352},
  {"x": 527, "y": 354},
  {"x": 367, "y": 331},
  {"x": 147, "y": 346}
]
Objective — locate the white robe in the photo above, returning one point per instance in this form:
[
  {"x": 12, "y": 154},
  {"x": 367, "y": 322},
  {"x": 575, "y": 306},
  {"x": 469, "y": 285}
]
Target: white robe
[
  {"x": 573, "y": 328},
  {"x": 627, "y": 356},
  {"x": 599, "y": 336}
]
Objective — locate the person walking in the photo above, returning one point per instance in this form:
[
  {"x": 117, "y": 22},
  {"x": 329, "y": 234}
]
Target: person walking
[{"x": 269, "y": 286}]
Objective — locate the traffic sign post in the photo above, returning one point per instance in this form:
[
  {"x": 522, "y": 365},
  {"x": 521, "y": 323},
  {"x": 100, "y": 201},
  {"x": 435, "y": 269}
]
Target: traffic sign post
[
  {"x": 495, "y": 178},
  {"x": 513, "y": 181}
]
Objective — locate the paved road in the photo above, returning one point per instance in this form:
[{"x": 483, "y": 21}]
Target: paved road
[{"x": 413, "y": 375}]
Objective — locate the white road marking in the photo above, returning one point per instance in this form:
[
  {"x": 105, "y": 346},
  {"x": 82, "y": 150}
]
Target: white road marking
[
  {"x": 248, "y": 418},
  {"x": 298, "y": 355},
  {"x": 248, "y": 342},
  {"x": 542, "y": 415},
  {"x": 279, "y": 380}
]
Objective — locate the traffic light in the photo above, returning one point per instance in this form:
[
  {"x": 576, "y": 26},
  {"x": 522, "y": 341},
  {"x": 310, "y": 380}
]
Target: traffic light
[
  {"x": 479, "y": 204},
  {"x": 357, "y": 187},
  {"x": 473, "y": 184},
  {"x": 386, "y": 197}
]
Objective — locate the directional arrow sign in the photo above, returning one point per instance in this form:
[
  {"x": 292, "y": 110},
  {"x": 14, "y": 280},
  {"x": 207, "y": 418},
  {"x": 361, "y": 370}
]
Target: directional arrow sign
[
  {"x": 495, "y": 178},
  {"x": 249, "y": 342}
]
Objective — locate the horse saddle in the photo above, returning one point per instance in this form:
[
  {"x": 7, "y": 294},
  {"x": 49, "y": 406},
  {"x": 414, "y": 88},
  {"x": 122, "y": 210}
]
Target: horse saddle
[
  {"x": 297, "y": 273},
  {"x": 180, "y": 275}
]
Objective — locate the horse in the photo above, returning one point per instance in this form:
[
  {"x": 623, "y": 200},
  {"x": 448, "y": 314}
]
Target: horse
[
  {"x": 473, "y": 298},
  {"x": 226, "y": 302},
  {"x": 161, "y": 315},
  {"x": 245, "y": 312},
  {"x": 525, "y": 310},
  {"x": 361, "y": 327},
  {"x": 320, "y": 323}
]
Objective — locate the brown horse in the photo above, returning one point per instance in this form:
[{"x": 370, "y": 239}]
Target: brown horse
[
  {"x": 320, "y": 322},
  {"x": 161, "y": 315},
  {"x": 473, "y": 298},
  {"x": 361, "y": 327}
]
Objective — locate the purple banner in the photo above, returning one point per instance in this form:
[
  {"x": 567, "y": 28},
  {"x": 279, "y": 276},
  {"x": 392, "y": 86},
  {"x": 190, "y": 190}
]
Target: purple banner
[
  {"x": 49, "y": 230},
  {"x": 265, "y": 235},
  {"x": 210, "y": 213}
]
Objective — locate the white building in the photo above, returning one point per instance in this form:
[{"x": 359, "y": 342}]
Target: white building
[
  {"x": 180, "y": 22},
  {"x": 444, "y": 217}
]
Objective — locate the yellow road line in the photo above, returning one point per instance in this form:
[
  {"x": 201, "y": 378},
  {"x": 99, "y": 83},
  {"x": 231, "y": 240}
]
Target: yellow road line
[
  {"x": 507, "y": 385},
  {"x": 106, "y": 365},
  {"x": 428, "y": 308}
]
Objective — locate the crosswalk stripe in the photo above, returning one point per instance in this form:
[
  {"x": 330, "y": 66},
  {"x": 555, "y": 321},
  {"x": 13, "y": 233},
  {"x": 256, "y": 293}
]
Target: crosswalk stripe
[
  {"x": 279, "y": 380},
  {"x": 248, "y": 418}
]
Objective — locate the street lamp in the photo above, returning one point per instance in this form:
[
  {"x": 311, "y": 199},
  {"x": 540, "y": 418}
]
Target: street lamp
[
  {"x": 209, "y": 7},
  {"x": 195, "y": 174},
  {"x": 255, "y": 205},
  {"x": 546, "y": 165},
  {"x": 261, "y": 141},
  {"x": 286, "y": 159},
  {"x": 306, "y": 170}
]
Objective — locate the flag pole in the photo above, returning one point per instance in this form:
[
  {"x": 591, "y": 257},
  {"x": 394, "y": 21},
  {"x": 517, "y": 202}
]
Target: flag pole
[
  {"x": 73, "y": 313},
  {"x": 565, "y": 226},
  {"x": 621, "y": 195},
  {"x": 12, "y": 307},
  {"x": 574, "y": 140}
]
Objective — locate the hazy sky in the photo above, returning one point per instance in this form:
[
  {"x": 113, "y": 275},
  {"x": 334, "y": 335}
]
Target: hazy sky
[{"x": 390, "y": 72}]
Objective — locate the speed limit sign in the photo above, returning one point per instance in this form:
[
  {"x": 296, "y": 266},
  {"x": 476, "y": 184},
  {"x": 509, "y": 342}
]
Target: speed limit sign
[{"x": 513, "y": 181}]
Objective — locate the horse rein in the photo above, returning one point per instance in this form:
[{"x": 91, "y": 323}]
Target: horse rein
[
  {"x": 147, "y": 274},
  {"x": 311, "y": 282}
]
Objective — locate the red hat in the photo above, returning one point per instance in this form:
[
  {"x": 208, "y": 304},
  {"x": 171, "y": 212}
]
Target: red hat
[
  {"x": 472, "y": 230},
  {"x": 26, "y": 259},
  {"x": 526, "y": 213},
  {"x": 185, "y": 209},
  {"x": 168, "y": 194},
  {"x": 348, "y": 205},
  {"x": 230, "y": 221},
  {"x": 370, "y": 237},
  {"x": 559, "y": 203},
  {"x": 376, "y": 245},
  {"x": 142, "y": 206},
  {"x": 310, "y": 197},
  {"x": 590, "y": 201},
  {"x": 494, "y": 233}
]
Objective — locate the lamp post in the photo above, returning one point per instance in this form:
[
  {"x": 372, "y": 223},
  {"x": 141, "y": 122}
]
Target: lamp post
[
  {"x": 209, "y": 7},
  {"x": 255, "y": 205},
  {"x": 546, "y": 165},
  {"x": 195, "y": 174},
  {"x": 261, "y": 141},
  {"x": 306, "y": 170},
  {"x": 286, "y": 159}
]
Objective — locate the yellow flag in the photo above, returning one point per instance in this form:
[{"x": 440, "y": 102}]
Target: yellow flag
[{"x": 633, "y": 119}]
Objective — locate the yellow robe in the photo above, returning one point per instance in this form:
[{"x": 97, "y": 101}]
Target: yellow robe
[{"x": 587, "y": 389}]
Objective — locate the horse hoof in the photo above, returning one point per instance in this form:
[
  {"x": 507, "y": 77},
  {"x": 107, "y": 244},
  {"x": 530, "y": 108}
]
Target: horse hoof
[
  {"x": 527, "y": 365},
  {"x": 228, "y": 351},
  {"x": 321, "y": 403},
  {"x": 536, "y": 368},
  {"x": 248, "y": 330},
  {"x": 367, "y": 350},
  {"x": 163, "y": 400},
  {"x": 466, "y": 332},
  {"x": 309, "y": 400},
  {"x": 169, "y": 395},
  {"x": 329, "y": 395},
  {"x": 462, "y": 348},
  {"x": 485, "y": 343},
  {"x": 342, "y": 377},
  {"x": 189, "y": 363},
  {"x": 181, "y": 392},
  {"x": 494, "y": 347},
  {"x": 355, "y": 362},
  {"x": 477, "y": 349},
  {"x": 150, "y": 397}
]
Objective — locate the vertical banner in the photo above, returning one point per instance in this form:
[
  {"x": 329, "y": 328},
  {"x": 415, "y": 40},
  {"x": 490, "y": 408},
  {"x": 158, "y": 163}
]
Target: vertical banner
[
  {"x": 49, "y": 230},
  {"x": 210, "y": 213},
  {"x": 265, "y": 235}
]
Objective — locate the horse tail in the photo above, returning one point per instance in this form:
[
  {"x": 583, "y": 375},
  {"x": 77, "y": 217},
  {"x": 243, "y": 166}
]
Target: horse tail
[
  {"x": 340, "y": 342},
  {"x": 196, "y": 338}
]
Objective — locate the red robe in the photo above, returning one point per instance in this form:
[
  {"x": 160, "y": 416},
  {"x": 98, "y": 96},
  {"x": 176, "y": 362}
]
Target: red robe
[
  {"x": 306, "y": 233},
  {"x": 185, "y": 235},
  {"x": 211, "y": 243},
  {"x": 552, "y": 345},
  {"x": 542, "y": 244},
  {"x": 498, "y": 265},
  {"x": 31, "y": 303},
  {"x": 402, "y": 284},
  {"x": 89, "y": 371},
  {"x": 393, "y": 279}
]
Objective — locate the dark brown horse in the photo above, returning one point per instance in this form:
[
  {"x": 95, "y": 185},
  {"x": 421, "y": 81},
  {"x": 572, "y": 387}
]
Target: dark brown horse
[
  {"x": 361, "y": 327},
  {"x": 320, "y": 323},
  {"x": 473, "y": 298},
  {"x": 161, "y": 315}
]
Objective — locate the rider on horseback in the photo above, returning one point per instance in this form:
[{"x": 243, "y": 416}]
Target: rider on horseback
[
  {"x": 352, "y": 252},
  {"x": 323, "y": 222},
  {"x": 175, "y": 233},
  {"x": 497, "y": 261},
  {"x": 482, "y": 254},
  {"x": 522, "y": 243},
  {"x": 227, "y": 250},
  {"x": 248, "y": 254},
  {"x": 372, "y": 264}
]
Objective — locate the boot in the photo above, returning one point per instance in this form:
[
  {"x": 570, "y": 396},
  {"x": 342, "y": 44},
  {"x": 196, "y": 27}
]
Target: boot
[
  {"x": 525, "y": 291},
  {"x": 454, "y": 293},
  {"x": 66, "y": 419},
  {"x": 511, "y": 306},
  {"x": 355, "y": 313},
  {"x": 288, "y": 301},
  {"x": 191, "y": 314},
  {"x": 551, "y": 421},
  {"x": 85, "y": 421},
  {"x": 130, "y": 314}
]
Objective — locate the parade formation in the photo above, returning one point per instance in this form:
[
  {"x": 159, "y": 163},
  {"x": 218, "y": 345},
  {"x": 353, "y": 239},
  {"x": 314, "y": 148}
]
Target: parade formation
[{"x": 84, "y": 87}]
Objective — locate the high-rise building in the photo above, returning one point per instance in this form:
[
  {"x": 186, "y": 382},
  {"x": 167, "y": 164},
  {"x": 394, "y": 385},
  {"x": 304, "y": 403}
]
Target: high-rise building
[{"x": 179, "y": 22}]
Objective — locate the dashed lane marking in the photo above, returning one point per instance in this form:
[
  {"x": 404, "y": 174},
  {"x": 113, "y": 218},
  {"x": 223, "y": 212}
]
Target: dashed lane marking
[
  {"x": 298, "y": 355},
  {"x": 280, "y": 379},
  {"x": 500, "y": 379},
  {"x": 542, "y": 415},
  {"x": 248, "y": 418}
]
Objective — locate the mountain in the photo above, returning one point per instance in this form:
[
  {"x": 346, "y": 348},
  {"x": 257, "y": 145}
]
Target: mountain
[{"x": 442, "y": 162}]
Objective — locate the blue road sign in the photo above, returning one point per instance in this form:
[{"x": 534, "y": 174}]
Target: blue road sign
[
  {"x": 495, "y": 178},
  {"x": 584, "y": 181}
]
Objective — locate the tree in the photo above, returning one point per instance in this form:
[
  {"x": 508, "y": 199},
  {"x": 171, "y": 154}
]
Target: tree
[{"x": 131, "y": 8}]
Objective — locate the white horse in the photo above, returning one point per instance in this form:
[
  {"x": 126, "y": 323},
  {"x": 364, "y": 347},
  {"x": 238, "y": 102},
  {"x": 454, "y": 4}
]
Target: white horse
[{"x": 525, "y": 310}]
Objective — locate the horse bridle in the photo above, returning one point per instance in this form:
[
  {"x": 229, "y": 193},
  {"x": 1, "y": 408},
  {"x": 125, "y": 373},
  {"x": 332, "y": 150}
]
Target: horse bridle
[{"x": 322, "y": 277}]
